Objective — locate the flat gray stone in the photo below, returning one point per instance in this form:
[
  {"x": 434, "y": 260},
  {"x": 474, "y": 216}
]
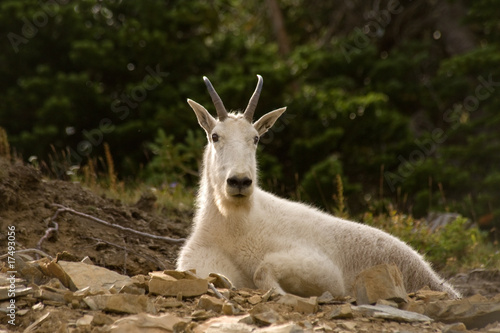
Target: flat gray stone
[
  {"x": 224, "y": 324},
  {"x": 300, "y": 304},
  {"x": 283, "y": 328},
  {"x": 95, "y": 277},
  {"x": 388, "y": 312},
  {"x": 6, "y": 292},
  {"x": 121, "y": 303},
  {"x": 144, "y": 322},
  {"x": 165, "y": 284}
]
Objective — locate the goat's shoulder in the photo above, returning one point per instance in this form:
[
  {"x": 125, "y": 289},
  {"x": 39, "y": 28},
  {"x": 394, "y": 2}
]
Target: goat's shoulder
[
  {"x": 300, "y": 216},
  {"x": 288, "y": 213}
]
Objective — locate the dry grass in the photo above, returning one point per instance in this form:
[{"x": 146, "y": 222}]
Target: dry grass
[{"x": 4, "y": 144}]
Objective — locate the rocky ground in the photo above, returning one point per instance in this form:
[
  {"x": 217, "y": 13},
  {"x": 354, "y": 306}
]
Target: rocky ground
[{"x": 117, "y": 277}]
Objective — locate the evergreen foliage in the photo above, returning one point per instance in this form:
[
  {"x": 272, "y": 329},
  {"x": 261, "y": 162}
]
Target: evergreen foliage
[{"x": 397, "y": 97}]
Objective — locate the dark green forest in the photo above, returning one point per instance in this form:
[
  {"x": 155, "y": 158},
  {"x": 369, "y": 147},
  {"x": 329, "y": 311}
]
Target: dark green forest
[{"x": 399, "y": 100}]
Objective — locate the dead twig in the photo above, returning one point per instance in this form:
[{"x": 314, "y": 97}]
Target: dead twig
[
  {"x": 117, "y": 226},
  {"x": 50, "y": 230},
  {"x": 216, "y": 292}
]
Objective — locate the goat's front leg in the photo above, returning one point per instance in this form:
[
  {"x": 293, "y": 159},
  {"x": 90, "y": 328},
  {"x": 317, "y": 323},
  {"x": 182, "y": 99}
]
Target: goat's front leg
[
  {"x": 301, "y": 272},
  {"x": 265, "y": 278}
]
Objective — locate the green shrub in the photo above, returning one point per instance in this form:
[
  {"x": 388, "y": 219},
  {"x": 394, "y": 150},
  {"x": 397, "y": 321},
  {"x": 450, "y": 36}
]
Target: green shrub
[{"x": 452, "y": 247}]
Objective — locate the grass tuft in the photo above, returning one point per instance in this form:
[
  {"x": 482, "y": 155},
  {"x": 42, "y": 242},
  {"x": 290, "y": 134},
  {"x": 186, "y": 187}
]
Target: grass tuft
[{"x": 4, "y": 144}]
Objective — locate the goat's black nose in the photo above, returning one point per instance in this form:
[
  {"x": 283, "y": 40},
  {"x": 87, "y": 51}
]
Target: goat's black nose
[{"x": 239, "y": 183}]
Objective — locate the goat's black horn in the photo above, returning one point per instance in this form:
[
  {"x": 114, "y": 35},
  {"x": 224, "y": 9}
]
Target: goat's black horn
[
  {"x": 219, "y": 106},
  {"x": 252, "y": 104}
]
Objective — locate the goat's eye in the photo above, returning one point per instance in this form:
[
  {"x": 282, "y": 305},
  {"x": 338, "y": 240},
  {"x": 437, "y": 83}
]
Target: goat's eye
[
  {"x": 255, "y": 139},
  {"x": 215, "y": 137}
]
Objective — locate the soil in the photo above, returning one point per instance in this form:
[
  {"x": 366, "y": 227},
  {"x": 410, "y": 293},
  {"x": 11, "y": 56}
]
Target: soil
[{"x": 27, "y": 202}]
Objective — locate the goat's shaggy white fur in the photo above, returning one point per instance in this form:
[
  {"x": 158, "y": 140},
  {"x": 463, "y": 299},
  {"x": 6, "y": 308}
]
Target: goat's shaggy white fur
[{"x": 258, "y": 240}]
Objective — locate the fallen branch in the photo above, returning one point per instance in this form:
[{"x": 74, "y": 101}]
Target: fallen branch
[
  {"x": 216, "y": 292},
  {"x": 116, "y": 226},
  {"x": 50, "y": 230}
]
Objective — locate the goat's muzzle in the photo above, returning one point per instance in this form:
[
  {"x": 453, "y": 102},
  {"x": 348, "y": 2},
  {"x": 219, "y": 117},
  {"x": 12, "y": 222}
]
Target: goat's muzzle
[{"x": 238, "y": 186}]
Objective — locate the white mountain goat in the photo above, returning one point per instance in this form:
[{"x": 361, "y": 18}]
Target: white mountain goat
[{"x": 258, "y": 240}]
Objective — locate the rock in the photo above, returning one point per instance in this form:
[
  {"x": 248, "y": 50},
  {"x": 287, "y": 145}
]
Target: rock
[
  {"x": 348, "y": 325},
  {"x": 388, "y": 312},
  {"x": 267, "y": 318},
  {"x": 283, "y": 328},
  {"x": 427, "y": 295},
  {"x": 268, "y": 294},
  {"x": 146, "y": 323},
  {"x": 227, "y": 324},
  {"x": 220, "y": 281},
  {"x": 230, "y": 309},
  {"x": 78, "y": 275},
  {"x": 414, "y": 306},
  {"x": 52, "y": 269},
  {"x": 86, "y": 320},
  {"x": 255, "y": 299},
  {"x": 246, "y": 319},
  {"x": 478, "y": 281},
  {"x": 31, "y": 271},
  {"x": 493, "y": 328},
  {"x": 224, "y": 324},
  {"x": 380, "y": 282},
  {"x": 87, "y": 260},
  {"x": 181, "y": 275},
  {"x": 131, "y": 289},
  {"x": 300, "y": 304},
  {"x": 264, "y": 315},
  {"x": 210, "y": 303},
  {"x": 23, "y": 312},
  {"x": 58, "y": 297},
  {"x": 167, "y": 285},
  {"x": 101, "y": 319},
  {"x": 475, "y": 311},
  {"x": 387, "y": 302},
  {"x": 33, "y": 327},
  {"x": 141, "y": 281},
  {"x": 244, "y": 292},
  {"x": 455, "y": 327},
  {"x": 343, "y": 311},
  {"x": 121, "y": 303},
  {"x": 167, "y": 303},
  {"x": 6, "y": 279},
  {"x": 240, "y": 300},
  {"x": 38, "y": 306},
  {"x": 200, "y": 315},
  {"x": 19, "y": 290},
  {"x": 325, "y": 298}
]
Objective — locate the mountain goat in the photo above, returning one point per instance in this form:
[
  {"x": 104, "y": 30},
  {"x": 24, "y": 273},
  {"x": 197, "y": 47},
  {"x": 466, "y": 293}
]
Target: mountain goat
[{"x": 258, "y": 240}]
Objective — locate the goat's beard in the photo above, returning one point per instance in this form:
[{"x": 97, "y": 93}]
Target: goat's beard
[{"x": 227, "y": 203}]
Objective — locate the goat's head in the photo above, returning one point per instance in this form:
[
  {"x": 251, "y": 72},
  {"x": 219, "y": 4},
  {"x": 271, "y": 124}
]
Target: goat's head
[{"x": 230, "y": 160}]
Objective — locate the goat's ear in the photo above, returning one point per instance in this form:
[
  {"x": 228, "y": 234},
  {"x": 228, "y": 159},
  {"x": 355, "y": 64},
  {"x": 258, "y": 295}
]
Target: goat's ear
[
  {"x": 267, "y": 121},
  {"x": 204, "y": 118}
]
